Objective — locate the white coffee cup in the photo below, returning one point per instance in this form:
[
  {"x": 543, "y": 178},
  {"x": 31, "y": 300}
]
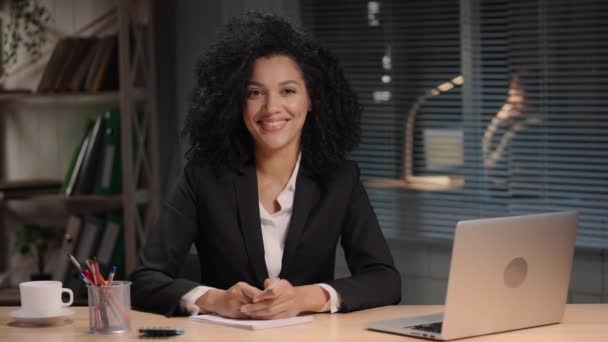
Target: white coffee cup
[{"x": 43, "y": 298}]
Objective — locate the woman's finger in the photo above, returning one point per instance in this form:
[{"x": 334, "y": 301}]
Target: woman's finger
[
  {"x": 247, "y": 291},
  {"x": 275, "y": 288},
  {"x": 264, "y": 312}
]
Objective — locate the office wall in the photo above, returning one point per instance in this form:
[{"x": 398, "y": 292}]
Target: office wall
[{"x": 424, "y": 267}]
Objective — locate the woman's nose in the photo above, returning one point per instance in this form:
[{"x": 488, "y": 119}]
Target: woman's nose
[{"x": 273, "y": 103}]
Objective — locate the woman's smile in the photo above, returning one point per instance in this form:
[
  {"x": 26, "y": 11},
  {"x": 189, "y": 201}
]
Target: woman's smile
[{"x": 273, "y": 125}]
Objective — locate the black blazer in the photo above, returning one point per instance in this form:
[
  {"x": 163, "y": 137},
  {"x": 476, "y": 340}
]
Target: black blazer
[{"x": 220, "y": 215}]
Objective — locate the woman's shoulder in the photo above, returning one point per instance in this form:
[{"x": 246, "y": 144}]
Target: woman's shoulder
[
  {"x": 201, "y": 172},
  {"x": 343, "y": 171}
]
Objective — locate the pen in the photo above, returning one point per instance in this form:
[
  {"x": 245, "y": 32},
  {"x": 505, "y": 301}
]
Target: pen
[
  {"x": 89, "y": 263},
  {"x": 95, "y": 264},
  {"x": 89, "y": 276},
  {"x": 160, "y": 332},
  {"x": 74, "y": 262},
  {"x": 111, "y": 275},
  {"x": 84, "y": 278}
]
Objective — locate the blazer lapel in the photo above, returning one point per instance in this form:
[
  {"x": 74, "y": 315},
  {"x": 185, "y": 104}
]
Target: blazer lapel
[
  {"x": 305, "y": 198},
  {"x": 246, "y": 190}
]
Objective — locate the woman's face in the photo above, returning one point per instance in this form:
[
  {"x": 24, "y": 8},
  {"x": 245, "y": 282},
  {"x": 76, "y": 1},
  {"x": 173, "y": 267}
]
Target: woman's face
[{"x": 276, "y": 104}]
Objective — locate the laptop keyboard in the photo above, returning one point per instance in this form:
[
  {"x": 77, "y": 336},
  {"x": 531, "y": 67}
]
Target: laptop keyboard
[{"x": 431, "y": 327}]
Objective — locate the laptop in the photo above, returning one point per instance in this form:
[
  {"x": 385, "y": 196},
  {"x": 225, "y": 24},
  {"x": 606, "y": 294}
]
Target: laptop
[{"x": 506, "y": 273}]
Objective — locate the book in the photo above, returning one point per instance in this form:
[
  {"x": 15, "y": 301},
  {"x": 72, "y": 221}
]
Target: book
[
  {"x": 53, "y": 66},
  {"x": 79, "y": 78},
  {"x": 107, "y": 65},
  {"x": 99, "y": 49},
  {"x": 71, "y": 177},
  {"x": 252, "y": 324},
  {"x": 78, "y": 49},
  {"x": 88, "y": 168},
  {"x": 111, "y": 77},
  {"x": 62, "y": 68}
]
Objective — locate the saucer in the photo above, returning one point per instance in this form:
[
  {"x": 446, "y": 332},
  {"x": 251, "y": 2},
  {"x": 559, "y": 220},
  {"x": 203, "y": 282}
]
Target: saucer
[{"x": 54, "y": 318}]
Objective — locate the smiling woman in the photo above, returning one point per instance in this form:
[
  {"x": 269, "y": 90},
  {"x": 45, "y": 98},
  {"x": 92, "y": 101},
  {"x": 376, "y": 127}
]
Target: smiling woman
[
  {"x": 274, "y": 113},
  {"x": 268, "y": 191},
  {"x": 276, "y": 105}
]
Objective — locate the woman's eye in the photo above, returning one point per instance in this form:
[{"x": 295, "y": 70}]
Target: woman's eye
[
  {"x": 288, "y": 91},
  {"x": 253, "y": 93}
]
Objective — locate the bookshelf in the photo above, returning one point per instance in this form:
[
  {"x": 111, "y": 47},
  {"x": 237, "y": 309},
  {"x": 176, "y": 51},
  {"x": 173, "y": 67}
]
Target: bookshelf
[
  {"x": 135, "y": 99},
  {"x": 54, "y": 205},
  {"x": 52, "y": 98}
]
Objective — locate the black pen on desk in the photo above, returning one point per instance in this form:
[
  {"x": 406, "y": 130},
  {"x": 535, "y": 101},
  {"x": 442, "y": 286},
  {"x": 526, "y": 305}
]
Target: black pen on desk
[{"x": 160, "y": 332}]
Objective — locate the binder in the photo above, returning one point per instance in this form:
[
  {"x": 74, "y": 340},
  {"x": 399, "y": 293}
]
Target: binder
[
  {"x": 87, "y": 245},
  {"x": 70, "y": 240},
  {"x": 89, "y": 237},
  {"x": 109, "y": 177},
  {"x": 69, "y": 182},
  {"x": 111, "y": 251},
  {"x": 109, "y": 239},
  {"x": 85, "y": 180}
]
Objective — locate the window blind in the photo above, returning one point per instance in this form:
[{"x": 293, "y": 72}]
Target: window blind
[{"x": 503, "y": 103}]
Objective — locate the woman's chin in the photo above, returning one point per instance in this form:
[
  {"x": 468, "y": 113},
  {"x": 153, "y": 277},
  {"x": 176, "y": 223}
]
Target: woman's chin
[{"x": 274, "y": 146}]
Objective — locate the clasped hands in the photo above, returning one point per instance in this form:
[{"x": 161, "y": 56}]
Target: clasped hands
[{"x": 279, "y": 299}]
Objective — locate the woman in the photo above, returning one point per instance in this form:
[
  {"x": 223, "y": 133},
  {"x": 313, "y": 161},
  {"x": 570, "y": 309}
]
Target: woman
[{"x": 267, "y": 192}]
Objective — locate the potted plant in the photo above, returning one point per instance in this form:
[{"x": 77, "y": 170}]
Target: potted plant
[
  {"x": 37, "y": 241},
  {"x": 26, "y": 28}
]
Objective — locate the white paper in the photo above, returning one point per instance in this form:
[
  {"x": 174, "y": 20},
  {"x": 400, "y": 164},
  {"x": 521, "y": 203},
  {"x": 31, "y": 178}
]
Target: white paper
[{"x": 251, "y": 324}]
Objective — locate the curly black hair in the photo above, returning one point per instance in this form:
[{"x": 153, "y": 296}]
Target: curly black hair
[{"x": 214, "y": 124}]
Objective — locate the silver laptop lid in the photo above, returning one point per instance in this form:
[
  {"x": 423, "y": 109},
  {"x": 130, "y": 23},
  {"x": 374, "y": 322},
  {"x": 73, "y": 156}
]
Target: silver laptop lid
[{"x": 509, "y": 273}]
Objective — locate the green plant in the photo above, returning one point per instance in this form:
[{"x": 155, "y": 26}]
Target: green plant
[
  {"x": 26, "y": 27},
  {"x": 36, "y": 241}
]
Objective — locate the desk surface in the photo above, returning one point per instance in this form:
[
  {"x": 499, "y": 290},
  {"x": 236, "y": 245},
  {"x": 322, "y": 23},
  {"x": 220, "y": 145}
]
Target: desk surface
[{"x": 587, "y": 323}]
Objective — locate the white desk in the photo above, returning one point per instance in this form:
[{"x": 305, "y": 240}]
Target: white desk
[{"x": 582, "y": 323}]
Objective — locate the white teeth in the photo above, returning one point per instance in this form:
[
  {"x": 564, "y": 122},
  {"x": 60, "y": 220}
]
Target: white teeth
[{"x": 273, "y": 123}]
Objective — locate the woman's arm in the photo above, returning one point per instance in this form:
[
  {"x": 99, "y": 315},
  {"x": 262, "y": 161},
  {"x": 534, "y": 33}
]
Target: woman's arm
[
  {"x": 155, "y": 285},
  {"x": 375, "y": 281}
]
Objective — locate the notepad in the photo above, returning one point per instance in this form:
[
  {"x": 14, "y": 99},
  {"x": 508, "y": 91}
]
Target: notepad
[{"x": 251, "y": 324}]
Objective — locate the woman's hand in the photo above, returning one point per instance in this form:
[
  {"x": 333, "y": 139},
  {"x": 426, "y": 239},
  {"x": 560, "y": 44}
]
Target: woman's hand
[
  {"x": 227, "y": 303},
  {"x": 281, "y": 300}
]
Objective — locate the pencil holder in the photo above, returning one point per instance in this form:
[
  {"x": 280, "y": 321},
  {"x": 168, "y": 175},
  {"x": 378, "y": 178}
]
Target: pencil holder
[{"x": 109, "y": 308}]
